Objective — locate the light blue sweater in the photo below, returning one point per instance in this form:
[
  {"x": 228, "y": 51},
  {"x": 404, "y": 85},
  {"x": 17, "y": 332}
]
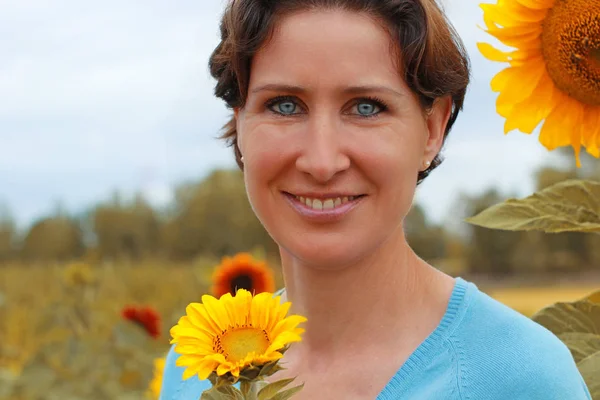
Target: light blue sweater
[{"x": 481, "y": 350}]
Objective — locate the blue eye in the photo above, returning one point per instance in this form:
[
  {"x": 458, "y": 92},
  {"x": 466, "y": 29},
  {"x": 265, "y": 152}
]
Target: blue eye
[
  {"x": 367, "y": 108},
  {"x": 286, "y": 107},
  {"x": 283, "y": 105}
]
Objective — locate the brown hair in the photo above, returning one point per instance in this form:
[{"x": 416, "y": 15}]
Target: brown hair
[{"x": 432, "y": 57}]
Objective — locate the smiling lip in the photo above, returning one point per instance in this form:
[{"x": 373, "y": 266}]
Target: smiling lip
[{"x": 322, "y": 208}]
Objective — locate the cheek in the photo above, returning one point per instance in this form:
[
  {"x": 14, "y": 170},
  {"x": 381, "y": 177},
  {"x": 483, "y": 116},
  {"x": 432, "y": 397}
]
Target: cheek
[
  {"x": 266, "y": 145},
  {"x": 267, "y": 151},
  {"x": 392, "y": 152}
]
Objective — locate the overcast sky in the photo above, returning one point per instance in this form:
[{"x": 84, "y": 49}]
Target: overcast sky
[{"x": 115, "y": 95}]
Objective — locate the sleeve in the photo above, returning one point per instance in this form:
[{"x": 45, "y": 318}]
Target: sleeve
[
  {"x": 172, "y": 376},
  {"x": 556, "y": 378}
]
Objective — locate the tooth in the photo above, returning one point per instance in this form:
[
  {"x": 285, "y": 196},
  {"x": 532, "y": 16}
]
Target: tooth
[
  {"x": 344, "y": 200},
  {"x": 338, "y": 201},
  {"x": 308, "y": 202},
  {"x": 301, "y": 199},
  {"x": 328, "y": 204},
  {"x": 317, "y": 204}
]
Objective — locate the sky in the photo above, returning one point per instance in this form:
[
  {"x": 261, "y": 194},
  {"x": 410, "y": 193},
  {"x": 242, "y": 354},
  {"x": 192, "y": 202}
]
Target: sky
[{"x": 98, "y": 97}]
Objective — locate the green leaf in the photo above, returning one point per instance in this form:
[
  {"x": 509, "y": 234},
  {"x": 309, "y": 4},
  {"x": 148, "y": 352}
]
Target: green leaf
[
  {"x": 211, "y": 394},
  {"x": 270, "y": 368},
  {"x": 271, "y": 389},
  {"x": 590, "y": 370},
  {"x": 569, "y": 206},
  {"x": 580, "y": 316},
  {"x": 582, "y": 345},
  {"x": 245, "y": 387},
  {"x": 224, "y": 392},
  {"x": 230, "y": 392},
  {"x": 287, "y": 393}
]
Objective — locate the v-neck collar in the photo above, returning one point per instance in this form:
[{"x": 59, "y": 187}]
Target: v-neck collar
[{"x": 431, "y": 346}]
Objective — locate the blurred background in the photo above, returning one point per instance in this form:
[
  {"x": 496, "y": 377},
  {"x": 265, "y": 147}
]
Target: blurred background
[{"x": 115, "y": 192}]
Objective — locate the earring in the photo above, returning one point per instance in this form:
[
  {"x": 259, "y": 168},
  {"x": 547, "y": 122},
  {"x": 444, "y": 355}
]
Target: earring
[
  {"x": 242, "y": 159},
  {"x": 427, "y": 164}
]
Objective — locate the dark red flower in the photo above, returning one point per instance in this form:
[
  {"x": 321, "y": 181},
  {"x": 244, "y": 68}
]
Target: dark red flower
[{"x": 146, "y": 317}]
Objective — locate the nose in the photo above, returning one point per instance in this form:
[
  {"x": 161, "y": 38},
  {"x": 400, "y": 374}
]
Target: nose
[{"x": 322, "y": 155}]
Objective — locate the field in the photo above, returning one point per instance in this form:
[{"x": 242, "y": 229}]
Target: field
[{"x": 62, "y": 335}]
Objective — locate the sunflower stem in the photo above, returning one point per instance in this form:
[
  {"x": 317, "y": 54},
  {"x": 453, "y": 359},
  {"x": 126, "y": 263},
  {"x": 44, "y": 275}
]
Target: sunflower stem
[
  {"x": 250, "y": 389},
  {"x": 245, "y": 387}
]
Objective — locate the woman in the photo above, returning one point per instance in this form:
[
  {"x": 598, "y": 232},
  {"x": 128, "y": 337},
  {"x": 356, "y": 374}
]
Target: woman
[{"x": 341, "y": 108}]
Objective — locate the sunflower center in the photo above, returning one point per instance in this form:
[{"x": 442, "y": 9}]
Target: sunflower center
[
  {"x": 241, "y": 282},
  {"x": 571, "y": 48},
  {"x": 236, "y": 343}
]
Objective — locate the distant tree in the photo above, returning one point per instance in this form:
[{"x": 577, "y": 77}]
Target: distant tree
[
  {"x": 214, "y": 217},
  {"x": 125, "y": 229},
  {"x": 427, "y": 240},
  {"x": 53, "y": 239},
  {"x": 490, "y": 250},
  {"x": 8, "y": 235}
]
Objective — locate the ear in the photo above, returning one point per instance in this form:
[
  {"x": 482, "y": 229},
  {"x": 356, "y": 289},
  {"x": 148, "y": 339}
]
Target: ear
[{"x": 437, "y": 121}]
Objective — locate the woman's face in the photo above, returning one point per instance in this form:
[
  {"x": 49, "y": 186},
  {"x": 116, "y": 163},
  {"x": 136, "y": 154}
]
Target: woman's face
[{"x": 332, "y": 138}]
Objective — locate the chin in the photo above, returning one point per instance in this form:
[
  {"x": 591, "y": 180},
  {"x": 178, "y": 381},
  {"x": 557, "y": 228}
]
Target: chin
[{"x": 333, "y": 253}]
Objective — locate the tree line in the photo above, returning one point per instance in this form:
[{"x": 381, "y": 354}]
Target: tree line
[{"x": 213, "y": 217}]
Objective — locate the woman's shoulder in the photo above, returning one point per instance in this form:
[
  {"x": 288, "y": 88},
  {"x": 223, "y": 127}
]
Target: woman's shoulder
[{"x": 495, "y": 345}]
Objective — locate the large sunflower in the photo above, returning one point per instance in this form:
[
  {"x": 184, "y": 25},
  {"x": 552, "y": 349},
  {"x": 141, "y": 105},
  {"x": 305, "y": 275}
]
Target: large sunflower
[
  {"x": 554, "y": 72},
  {"x": 242, "y": 272},
  {"x": 234, "y": 334}
]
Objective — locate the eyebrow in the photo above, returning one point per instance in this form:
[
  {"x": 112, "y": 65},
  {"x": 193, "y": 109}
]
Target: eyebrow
[{"x": 354, "y": 90}]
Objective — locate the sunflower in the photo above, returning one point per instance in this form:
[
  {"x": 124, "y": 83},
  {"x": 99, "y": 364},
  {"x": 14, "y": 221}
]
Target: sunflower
[
  {"x": 242, "y": 272},
  {"x": 156, "y": 382},
  {"x": 554, "y": 72},
  {"x": 146, "y": 317},
  {"x": 234, "y": 335}
]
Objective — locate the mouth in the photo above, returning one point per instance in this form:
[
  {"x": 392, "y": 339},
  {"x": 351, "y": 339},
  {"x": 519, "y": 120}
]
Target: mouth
[{"x": 328, "y": 202}]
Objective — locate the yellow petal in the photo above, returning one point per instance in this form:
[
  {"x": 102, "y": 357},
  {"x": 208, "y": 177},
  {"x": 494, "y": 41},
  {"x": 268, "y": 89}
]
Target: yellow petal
[
  {"x": 537, "y": 4},
  {"x": 502, "y": 79},
  {"x": 216, "y": 312},
  {"x": 195, "y": 346},
  {"x": 519, "y": 38},
  {"x": 282, "y": 340},
  {"x": 562, "y": 123},
  {"x": 493, "y": 54},
  {"x": 224, "y": 368},
  {"x": 288, "y": 324},
  {"x": 523, "y": 80},
  {"x": 528, "y": 114},
  {"x": 236, "y": 314},
  {"x": 205, "y": 368},
  {"x": 590, "y": 130},
  {"x": 279, "y": 313},
  {"x": 512, "y": 14},
  {"x": 259, "y": 310},
  {"x": 199, "y": 316}
]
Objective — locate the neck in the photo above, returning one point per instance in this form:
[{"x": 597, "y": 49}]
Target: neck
[{"x": 373, "y": 300}]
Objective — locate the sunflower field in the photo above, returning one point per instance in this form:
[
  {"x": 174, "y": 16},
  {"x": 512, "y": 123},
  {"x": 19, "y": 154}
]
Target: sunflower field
[{"x": 78, "y": 331}]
